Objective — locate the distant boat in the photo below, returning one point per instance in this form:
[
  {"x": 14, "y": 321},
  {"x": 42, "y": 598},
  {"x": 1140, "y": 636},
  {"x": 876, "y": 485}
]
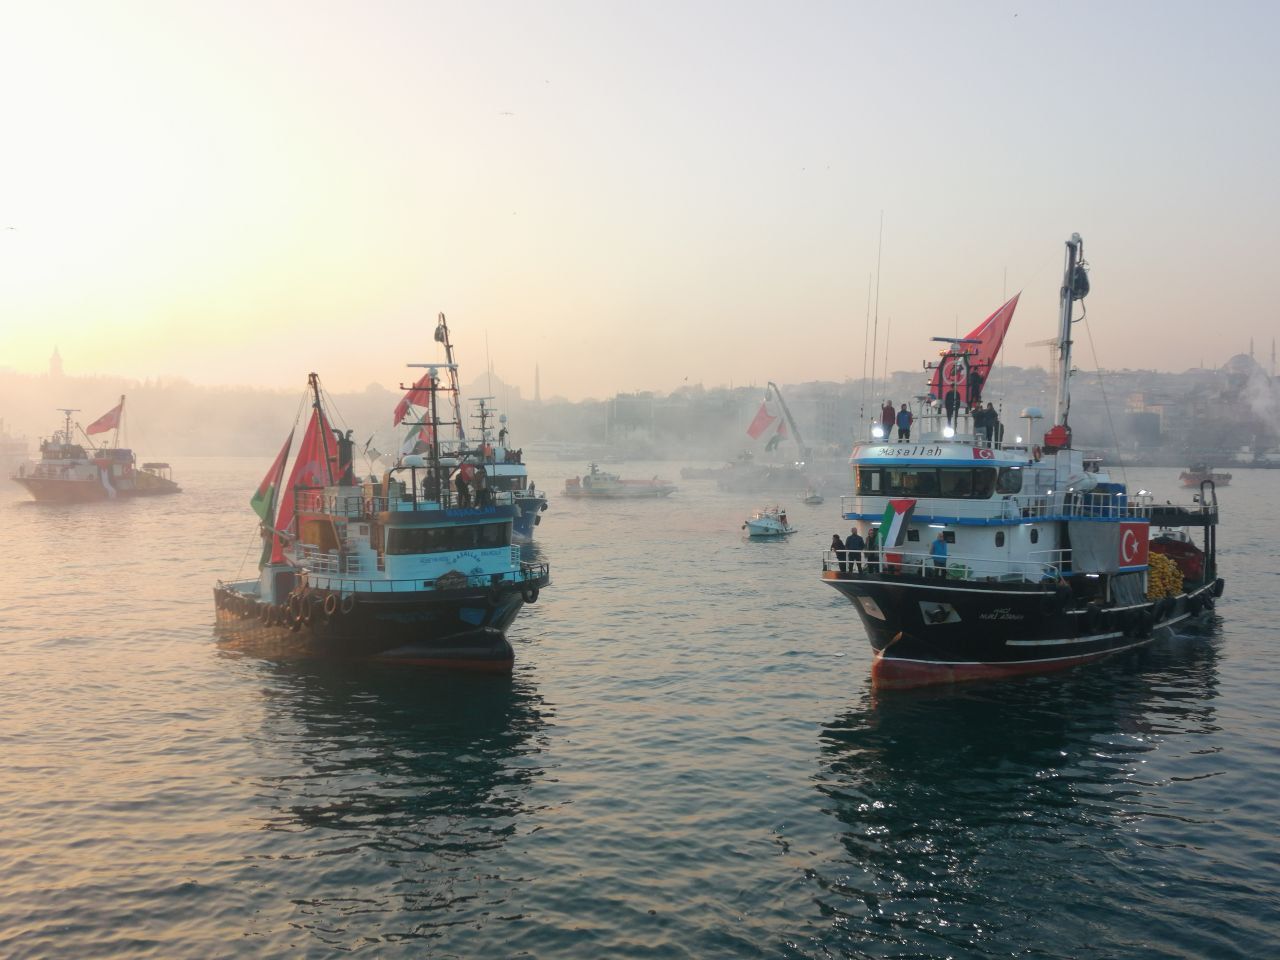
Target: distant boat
[
  {"x": 597, "y": 483},
  {"x": 1200, "y": 472},
  {"x": 68, "y": 473},
  {"x": 811, "y": 497},
  {"x": 769, "y": 523}
]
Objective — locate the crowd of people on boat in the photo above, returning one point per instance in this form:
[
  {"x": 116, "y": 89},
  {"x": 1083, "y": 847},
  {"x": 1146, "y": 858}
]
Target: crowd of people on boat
[
  {"x": 986, "y": 420},
  {"x": 856, "y": 554}
]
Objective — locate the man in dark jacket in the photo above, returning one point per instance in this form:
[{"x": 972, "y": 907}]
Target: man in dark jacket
[
  {"x": 854, "y": 545},
  {"x": 904, "y": 423}
]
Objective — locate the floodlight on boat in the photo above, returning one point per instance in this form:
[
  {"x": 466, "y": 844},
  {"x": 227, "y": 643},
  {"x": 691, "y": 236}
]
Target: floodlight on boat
[
  {"x": 948, "y": 432},
  {"x": 877, "y": 431},
  {"x": 1144, "y": 493},
  {"x": 1017, "y": 439}
]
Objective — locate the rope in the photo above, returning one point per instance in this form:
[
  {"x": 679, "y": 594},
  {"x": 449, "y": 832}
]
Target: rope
[{"x": 1106, "y": 404}]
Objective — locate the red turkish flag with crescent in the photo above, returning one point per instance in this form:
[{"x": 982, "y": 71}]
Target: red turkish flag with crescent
[
  {"x": 108, "y": 421},
  {"x": 1134, "y": 543}
]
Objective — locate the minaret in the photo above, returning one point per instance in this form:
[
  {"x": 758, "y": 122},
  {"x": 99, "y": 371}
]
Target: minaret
[
  {"x": 55, "y": 364},
  {"x": 537, "y": 383}
]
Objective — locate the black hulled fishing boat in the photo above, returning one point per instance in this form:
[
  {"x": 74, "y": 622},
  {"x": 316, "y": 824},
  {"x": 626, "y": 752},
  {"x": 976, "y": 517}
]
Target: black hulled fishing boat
[
  {"x": 991, "y": 558},
  {"x": 392, "y": 567}
]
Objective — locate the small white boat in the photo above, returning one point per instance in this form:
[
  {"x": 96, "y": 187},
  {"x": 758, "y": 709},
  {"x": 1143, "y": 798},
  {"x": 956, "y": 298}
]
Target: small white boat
[
  {"x": 811, "y": 497},
  {"x": 769, "y": 523}
]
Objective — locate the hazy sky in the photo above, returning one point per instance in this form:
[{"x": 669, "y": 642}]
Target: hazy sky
[{"x": 626, "y": 194}]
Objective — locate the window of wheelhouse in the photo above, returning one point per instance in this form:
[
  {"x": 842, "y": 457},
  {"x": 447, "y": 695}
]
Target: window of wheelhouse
[
  {"x": 962, "y": 483},
  {"x": 1009, "y": 480},
  {"x": 473, "y": 536}
]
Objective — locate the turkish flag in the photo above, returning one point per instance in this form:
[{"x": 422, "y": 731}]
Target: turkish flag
[
  {"x": 761, "y": 423},
  {"x": 108, "y": 421},
  {"x": 1134, "y": 542}
]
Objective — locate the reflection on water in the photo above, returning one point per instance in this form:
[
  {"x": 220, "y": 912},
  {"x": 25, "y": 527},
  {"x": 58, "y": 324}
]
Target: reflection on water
[
  {"x": 975, "y": 820},
  {"x": 395, "y": 786}
]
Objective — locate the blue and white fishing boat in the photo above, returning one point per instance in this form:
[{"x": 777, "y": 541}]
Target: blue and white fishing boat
[
  {"x": 989, "y": 558},
  {"x": 391, "y": 567}
]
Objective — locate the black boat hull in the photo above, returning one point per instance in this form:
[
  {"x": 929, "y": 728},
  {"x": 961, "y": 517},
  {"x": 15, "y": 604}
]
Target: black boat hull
[
  {"x": 934, "y": 631},
  {"x": 457, "y": 629}
]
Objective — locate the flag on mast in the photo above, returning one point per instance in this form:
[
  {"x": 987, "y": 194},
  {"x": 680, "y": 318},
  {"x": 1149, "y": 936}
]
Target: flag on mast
[
  {"x": 416, "y": 396},
  {"x": 966, "y": 366},
  {"x": 263, "y": 501},
  {"x": 761, "y": 422},
  {"x": 312, "y": 468},
  {"x": 108, "y": 421}
]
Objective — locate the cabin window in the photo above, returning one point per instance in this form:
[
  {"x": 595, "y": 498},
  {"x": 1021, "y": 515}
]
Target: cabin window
[
  {"x": 318, "y": 533},
  {"x": 1009, "y": 480},
  {"x": 913, "y": 536},
  {"x": 927, "y": 482},
  {"x": 474, "y": 536},
  {"x": 999, "y": 538},
  {"x": 1035, "y": 534}
]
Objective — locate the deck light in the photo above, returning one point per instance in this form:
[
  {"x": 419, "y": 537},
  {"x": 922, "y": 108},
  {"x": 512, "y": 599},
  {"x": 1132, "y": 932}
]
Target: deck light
[
  {"x": 1017, "y": 439},
  {"x": 877, "y": 431},
  {"x": 948, "y": 431}
]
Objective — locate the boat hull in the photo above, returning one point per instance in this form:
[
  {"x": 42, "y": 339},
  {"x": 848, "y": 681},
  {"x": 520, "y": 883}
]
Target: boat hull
[
  {"x": 925, "y": 632},
  {"x": 527, "y": 517},
  {"x": 56, "y": 490},
  {"x": 459, "y": 629}
]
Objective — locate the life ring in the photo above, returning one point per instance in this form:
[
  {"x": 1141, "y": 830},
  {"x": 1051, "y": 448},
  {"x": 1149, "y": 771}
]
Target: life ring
[
  {"x": 330, "y": 604},
  {"x": 529, "y": 592},
  {"x": 348, "y": 604},
  {"x": 1036, "y": 454}
]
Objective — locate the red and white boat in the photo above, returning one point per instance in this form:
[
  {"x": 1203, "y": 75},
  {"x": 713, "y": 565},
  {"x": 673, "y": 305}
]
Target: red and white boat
[{"x": 71, "y": 472}]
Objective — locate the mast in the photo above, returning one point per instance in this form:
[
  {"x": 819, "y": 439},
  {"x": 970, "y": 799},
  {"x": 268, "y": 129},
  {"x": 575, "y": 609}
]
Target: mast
[
  {"x": 313, "y": 381},
  {"x": 66, "y": 429},
  {"x": 442, "y": 336},
  {"x": 1075, "y": 286}
]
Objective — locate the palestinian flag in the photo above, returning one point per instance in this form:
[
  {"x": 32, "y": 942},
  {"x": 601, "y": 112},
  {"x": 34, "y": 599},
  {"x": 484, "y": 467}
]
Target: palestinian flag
[
  {"x": 264, "y": 500},
  {"x": 893, "y": 525}
]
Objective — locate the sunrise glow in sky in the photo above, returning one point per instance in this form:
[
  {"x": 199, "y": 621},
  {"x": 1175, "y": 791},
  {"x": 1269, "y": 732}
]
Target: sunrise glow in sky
[{"x": 627, "y": 195}]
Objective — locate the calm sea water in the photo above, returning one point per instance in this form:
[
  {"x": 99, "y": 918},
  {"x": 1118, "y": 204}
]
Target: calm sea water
[{"x": 687, "y": 762}]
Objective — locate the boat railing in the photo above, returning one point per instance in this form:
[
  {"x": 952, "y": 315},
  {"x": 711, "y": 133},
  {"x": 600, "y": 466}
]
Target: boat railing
[
  {"x": 357, "y": 505},
  {"x": 531, "y": 573},
  {"x": 1039, "y": 567},
  {"x": 1013, "y": 506}
]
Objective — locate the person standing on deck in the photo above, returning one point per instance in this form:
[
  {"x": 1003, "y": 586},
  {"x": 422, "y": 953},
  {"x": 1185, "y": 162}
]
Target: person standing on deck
[
  {"x": 887, "y": 418},
  {"x": 951, "y": 403},
  {"x": 854, "y": 546},
  {"x": 837, "y": 551},
  {"x": 939, "y": 553},
  {"x": 904, "y": 423}
]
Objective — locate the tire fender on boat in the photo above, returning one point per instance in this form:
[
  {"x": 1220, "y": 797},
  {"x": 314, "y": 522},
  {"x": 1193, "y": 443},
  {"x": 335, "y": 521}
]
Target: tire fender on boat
[
  {"x": 1208, "y": 602},
  {"x": 1146, "y": 622},
  {"x": 529, "y": 593},
  {"x": 348, "y": 604},
  {"x": 1218, "y": 586},
  {"x": 295, "y": 605},
  {"x": 494, "y": 596}
]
